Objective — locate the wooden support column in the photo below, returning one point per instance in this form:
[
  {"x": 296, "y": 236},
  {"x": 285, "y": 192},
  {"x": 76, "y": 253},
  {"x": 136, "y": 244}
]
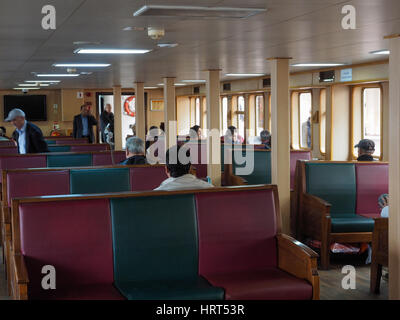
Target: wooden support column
[
  {"x": 394, "y": 168},
  {"x": 213, "y": 123},
  {"x": 170, "y": 112},
  {"x": 280, "y": 151},
  {"x": 140, "y": 111},
  {"x": 117, "y": 92}
]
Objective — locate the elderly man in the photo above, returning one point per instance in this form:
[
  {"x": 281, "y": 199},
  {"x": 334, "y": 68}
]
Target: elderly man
[
  {"x": 178, "y": 171},
  {"x": 83, "y": 124},
  {"x": 135, "y": 152},
  {"x": 366, "y": 149},
  {"x": 265, "y": 137},
  {"x": 28, "y": 137}
]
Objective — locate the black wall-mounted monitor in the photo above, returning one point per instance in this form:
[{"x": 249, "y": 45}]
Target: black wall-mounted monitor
[{"x": 34, "y": 106}]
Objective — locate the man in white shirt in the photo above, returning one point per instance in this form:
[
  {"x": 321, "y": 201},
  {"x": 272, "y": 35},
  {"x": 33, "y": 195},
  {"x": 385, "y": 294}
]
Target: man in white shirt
[{"x": 178, "y": 173}]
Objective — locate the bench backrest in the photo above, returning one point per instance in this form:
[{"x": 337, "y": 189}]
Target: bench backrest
[
  {"x": 72, "y": 236},
  {"x": 350, "y": 187},
  {"x": 154, "y": 235},
  {"x": 45, "y": 182},
  {"x": 8, "y": 150}
]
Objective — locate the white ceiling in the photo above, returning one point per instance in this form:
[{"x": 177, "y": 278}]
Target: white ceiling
[{"x": 307, "y": 30}]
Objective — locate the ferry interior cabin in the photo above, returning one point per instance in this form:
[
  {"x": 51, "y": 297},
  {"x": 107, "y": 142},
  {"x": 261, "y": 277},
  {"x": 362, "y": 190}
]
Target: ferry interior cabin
[{"x": 200, "y": 150}]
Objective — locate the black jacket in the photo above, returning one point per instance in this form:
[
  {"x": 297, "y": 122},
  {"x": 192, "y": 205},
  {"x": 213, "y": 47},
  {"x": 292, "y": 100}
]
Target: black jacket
[
  {"x": 105, "y": 119},
  {"x": 365, "y": 157},
  {"x": 134, "y": 160},
  {"x": 78, "y": 127},
  {"x": 34, "y": 139}
]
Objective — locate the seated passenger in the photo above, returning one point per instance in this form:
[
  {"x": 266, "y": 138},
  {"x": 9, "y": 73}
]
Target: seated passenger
[
  {"x": 384, "y": 205},
  {"x": 195, "y": 133},
  {"x": 135, "y": 153},
  {"x": 152, "y": 136},
  {"x": 178, "y": 173},
  {"x": 231, "y": 136},
  {"x": 3, "y": 136},
  {"x": 265, "y": 137},
  {"x": 366, "y": 149}
]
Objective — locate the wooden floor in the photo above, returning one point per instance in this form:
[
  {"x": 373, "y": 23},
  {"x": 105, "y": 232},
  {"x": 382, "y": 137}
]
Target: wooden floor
[{"x": 330, "y": 282}]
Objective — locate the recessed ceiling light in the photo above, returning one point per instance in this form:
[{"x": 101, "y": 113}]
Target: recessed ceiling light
[
  {"x": 197, "y": 11},
  {"x": 82, "y": 65},
  {"x": 380, "y": 52},
  {"x": 317, "y": 64},
  {"x": 26, "y": 88},
  {"x": 59, "y": 75},
  {"x": 167, "y": 45},
  {"x": 43, "y": 81},
  {"x": 194, "y": 81},
  {"x": 245, "y": 74},
  {"x": 111, "y": 51}
]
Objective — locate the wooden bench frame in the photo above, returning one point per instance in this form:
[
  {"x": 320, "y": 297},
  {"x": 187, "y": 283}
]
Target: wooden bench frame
[
  {"x": 313, "y": 216},
  {"x": 293, "y": 257},
  {"x": 380, "y": 252}
]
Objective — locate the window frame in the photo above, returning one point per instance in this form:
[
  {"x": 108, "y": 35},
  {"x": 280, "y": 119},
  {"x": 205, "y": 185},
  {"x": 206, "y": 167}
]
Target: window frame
[
  {"x": 237, "y": 112},
  {"x": 256, "y": 112},
  {"x": 298, "y": 140}
]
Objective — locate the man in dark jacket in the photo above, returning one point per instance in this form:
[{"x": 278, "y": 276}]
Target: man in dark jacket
[
  {"x": 106, "y": 118},
  {"x": 83, "y": 124},
  {"x": 135, "y": 152},
  {"x": 366, "y": 149},
  {"x": 28, "y": 137}
]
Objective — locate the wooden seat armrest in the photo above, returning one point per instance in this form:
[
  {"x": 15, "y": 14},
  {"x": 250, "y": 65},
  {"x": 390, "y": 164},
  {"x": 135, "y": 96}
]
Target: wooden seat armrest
[
  {"x": 238, "y": 181},
  {"x": 298, "y": 260},
  {"x": 21, "y": 274},
  {"x": 315, "y": 205}
]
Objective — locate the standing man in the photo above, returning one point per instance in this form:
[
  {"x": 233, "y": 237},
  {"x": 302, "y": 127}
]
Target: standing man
[
  {"x": 106, "y": 118},
  {"x": 27, "y": 136},
  {"x": 83, "y": 124}
]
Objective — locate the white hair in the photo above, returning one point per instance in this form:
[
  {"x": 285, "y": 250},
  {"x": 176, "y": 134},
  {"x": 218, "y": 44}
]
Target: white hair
[{"x": 135, "y": 145}]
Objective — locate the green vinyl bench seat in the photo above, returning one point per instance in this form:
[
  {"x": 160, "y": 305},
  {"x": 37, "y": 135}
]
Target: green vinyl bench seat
[{"x": 342, "y": 223}]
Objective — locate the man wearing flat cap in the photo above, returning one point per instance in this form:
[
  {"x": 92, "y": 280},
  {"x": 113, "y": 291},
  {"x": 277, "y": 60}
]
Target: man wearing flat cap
[
  {"x": 366, "y": 149},
  {"x": 28, "y": 137}
]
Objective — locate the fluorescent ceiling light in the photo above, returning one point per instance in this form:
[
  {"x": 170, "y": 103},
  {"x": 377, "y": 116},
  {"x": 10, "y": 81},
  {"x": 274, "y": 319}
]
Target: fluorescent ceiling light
[
  {"x": 194, "y": 81},
  {"x": 380, "y": 52},
  {"x": 176, "y": 84},
  {"x": 59, "y": 75},
  {"x": 317, "y": 64},
  {"x": 111, "y": 51},
  {"x": 148, "y": 88},
  {"x": 44, "y": 84},
  {"x": 26, "y": 88},
  {"x": 167, "y": 45},
  {"x": 25, "y": 85},
  {"x": 43, "y": 81},
  {"x": 82, "y": 65},
  {"x": 197, "y": 11},
  {"x": 245, "y": 74}
]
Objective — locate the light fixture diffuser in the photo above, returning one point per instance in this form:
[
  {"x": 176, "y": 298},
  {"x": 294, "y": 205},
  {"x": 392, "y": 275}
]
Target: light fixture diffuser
[
  {"x": 245, "y": 74},
  {"x": 81, "y": 65},
  {"x": 317, "y": 64},
  {"x": 111, "y": 51},
  {"x": 70, "y": 75},
  {"x": 384, "y": 52}
]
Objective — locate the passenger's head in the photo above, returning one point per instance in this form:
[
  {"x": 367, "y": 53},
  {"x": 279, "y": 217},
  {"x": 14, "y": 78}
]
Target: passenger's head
[
  {"x": 85, "y": 109},
  {"x": 3, "y": 131},
  {"x": 231, "y": 134},
  {"x": 175, "y": 168},
  {"x": 195, "y": 132},
  {"x": 383, "y": 200},
  {"x": 134, "y": 147},
  {"x": 17, "y": 118},
  {"x": 365, "y": 146},
  {"x": 265, "y": 136},
  {"x": 162, "y": 126},
  {"x": 108, "y": 107}
]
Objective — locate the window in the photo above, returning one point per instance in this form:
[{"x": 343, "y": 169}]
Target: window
[
  {"x": 270, "y": 114},
  {"x": 224, "y": 115},
  {"x": 305, "y": 106},
  {"x": 240, "y": 116},
  {"x": 372, "y": 117},
  {"x": 259, "y": 114},
  {"x": 197, "y": 111},
  {"x": 322, "y": 121}
]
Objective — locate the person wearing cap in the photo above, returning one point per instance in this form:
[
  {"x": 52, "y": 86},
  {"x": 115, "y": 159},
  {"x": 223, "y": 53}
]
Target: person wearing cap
[
  {"x": 366, "y": 149},
  {"x": 29, "y": 137},
  {"x": 83, "y": 124}
]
